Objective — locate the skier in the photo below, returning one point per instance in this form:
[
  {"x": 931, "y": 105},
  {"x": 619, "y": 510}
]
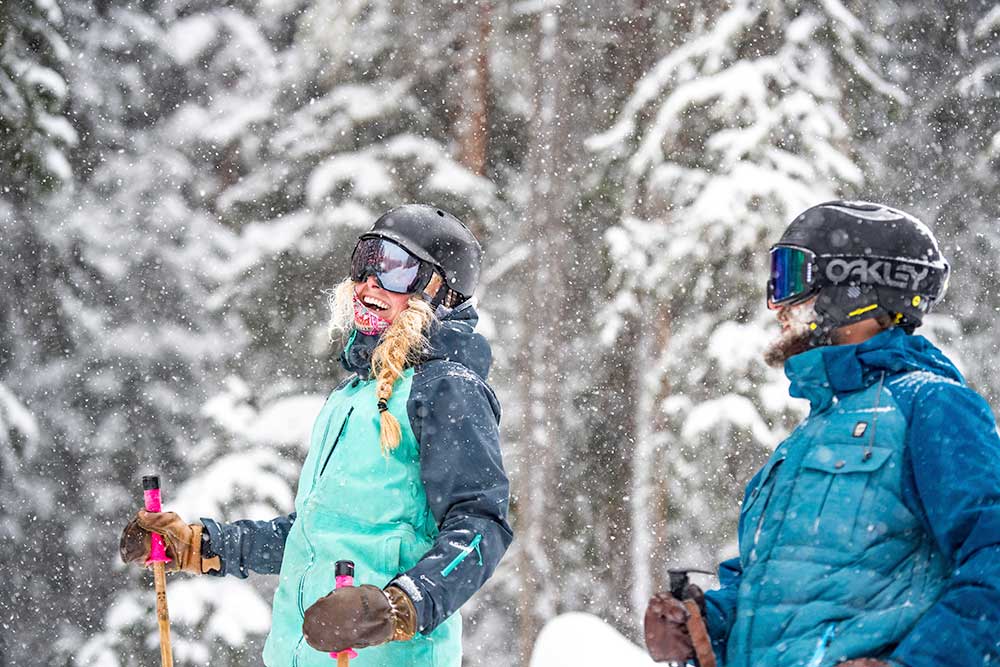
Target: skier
[
  {"x": 872, "y": 535},
  {"x": 404, "y": 473}
]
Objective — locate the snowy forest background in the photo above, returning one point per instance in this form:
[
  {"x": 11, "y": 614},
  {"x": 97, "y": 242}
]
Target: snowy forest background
[{"x": 182, "y": 179}]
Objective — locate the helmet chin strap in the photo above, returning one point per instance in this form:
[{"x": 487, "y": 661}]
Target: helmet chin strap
[
  {"x": 436, "y": 291},
  {"x": 833, "y": 310}
]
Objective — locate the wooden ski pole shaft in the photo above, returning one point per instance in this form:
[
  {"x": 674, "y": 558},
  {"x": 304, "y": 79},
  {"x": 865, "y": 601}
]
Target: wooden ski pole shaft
[
  {"x": 158, "y": 558},
  {"x": 699, "y": 635}
]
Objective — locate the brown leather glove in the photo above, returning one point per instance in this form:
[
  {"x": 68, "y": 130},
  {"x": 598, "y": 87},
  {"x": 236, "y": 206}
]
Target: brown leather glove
[
  {"x": 863, "y": 662},
  {"x": 359, "y": 616},
  {"x": 665, "y": 628},
  {"x": 182, "y": 541}
]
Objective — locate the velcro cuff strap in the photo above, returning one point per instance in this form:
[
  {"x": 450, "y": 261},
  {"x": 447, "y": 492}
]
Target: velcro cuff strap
[
  {"x": 206, "y": 564},
  {"x": 404, "y": 614},
  {"x": 213, "y": 564}
]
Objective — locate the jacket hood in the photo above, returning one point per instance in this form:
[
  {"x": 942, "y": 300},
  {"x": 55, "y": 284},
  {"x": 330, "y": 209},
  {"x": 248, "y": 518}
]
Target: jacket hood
[
  {"x": 822, "y": 373},
  {"x": 452, "y": 338}
]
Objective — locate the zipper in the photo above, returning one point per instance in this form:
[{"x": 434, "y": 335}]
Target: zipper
[
  {"x": 312, "y": 553},
  {"x": 821, "y": 647},
  {"x": 748, "y": 632},
  {"x": 302, "y": 612},
  {"x": 302, "y": 585},
  {"x": 473, "y": 546},
  {"x": 335, "y": 441},
  {"x": 767, "y": 501},
  {"x": 305, "y": 572}
]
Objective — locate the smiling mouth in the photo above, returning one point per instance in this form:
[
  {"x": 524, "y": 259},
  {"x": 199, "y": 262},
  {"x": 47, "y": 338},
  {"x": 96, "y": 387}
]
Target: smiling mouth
[{"x": 375, "y": 304}]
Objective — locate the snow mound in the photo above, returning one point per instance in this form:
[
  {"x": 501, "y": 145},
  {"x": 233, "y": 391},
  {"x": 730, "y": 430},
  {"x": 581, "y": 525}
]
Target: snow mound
[{"x": 583, "y": 640}]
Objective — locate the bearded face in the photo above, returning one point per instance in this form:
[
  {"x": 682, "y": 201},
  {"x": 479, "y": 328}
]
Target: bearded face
[{"x": 795, "y": 336}]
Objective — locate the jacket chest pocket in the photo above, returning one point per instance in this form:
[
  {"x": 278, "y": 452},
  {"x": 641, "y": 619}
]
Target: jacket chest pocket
[
  {"x": 332, "y": 435},
  {"x": 840, "y": 490}
]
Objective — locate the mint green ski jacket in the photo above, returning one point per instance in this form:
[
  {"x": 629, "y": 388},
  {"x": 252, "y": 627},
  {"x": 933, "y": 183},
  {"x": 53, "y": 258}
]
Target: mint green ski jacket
[{"x": 431, "y": 518}]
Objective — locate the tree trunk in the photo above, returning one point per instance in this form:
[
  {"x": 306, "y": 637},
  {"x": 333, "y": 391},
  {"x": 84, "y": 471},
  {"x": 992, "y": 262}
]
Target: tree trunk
[
  {"x": 541, "y": 368},
  {"x": 473, "y": 127}
]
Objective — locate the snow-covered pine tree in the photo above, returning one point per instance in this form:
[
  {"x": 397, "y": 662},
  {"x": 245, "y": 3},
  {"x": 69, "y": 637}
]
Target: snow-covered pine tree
[
  {"x": 101, "y": 340},
  {"x": 34, "y": 132},
  {"x": 974, "y": 214},
  {"x": 116, "y": 288},
  {"x": 941, "y": 158},
  {"x": 35, "y": 327},
  {"x": 347, "y": 125},
  {"x": 287, "y": 128},
  {"x": 733, "y": 131}
]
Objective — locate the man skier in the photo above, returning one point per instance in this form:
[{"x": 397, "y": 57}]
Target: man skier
[
  {"x": 872, "y": 535},
  {"x": 404, "y": 474}
]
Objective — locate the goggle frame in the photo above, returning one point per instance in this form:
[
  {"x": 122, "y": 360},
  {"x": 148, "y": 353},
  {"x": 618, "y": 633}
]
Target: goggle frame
[{"x": 411, "y": 275}]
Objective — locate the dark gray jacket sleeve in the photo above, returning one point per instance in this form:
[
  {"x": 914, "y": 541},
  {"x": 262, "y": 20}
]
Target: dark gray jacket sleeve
[
  {"x": 248, "y": 546},
  {"x": 455, "y": 417}
]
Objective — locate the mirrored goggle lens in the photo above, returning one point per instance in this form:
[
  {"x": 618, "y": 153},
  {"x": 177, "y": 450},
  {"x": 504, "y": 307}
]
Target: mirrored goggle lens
[
  {"x": 395, "y": 268},
  {"x": 791, "y": 274}
]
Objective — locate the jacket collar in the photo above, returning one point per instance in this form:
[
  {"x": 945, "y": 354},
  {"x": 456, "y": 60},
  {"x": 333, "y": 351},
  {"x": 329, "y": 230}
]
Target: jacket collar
[
  {"x": 452, "y": 337},
  {"x": 822, "y": 373},
  {"x": 356, "y": 356}
]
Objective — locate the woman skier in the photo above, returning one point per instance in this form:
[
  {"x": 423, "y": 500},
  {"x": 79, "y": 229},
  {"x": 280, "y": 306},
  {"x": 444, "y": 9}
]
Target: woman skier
[{"x": 403, "y": 476}]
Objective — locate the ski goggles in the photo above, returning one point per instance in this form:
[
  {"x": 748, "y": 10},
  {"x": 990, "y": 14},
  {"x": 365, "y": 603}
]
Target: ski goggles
[
  {"x": 793, "y": 276},
  {"x": 394, "y": 268},
  {"x": 797, "y": 274}
]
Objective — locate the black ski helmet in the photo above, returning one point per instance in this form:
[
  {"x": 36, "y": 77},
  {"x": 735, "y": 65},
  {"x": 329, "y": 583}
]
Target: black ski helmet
[
  {"x": 437, "y": 237},
  {"x": 863, "y": 260}
]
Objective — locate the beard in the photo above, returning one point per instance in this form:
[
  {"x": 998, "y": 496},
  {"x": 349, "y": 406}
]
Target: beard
[{"x": 796, "y": 338}]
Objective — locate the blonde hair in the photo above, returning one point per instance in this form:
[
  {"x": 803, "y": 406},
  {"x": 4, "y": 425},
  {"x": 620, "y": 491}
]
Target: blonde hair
[
  {"x": 401, "y": 344},
  {"x": 341, "y": 302}
]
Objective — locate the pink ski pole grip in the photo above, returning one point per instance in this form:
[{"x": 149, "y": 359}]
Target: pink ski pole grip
[
  {"x": 151, "y": 496},
  {"x": 343, "y": 572}
]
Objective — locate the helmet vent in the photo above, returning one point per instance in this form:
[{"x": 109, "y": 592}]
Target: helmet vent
[{"x": 441, "y": 213}]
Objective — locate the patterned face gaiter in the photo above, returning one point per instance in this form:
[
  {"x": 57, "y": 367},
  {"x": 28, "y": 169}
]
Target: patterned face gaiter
[{"x": 367, "y": 321}]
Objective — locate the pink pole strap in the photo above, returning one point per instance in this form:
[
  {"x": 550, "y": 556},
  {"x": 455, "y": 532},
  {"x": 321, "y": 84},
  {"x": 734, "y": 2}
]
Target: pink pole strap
[
  {"x": 151, "y": 496},
  {"x": 344, "y": 576}
]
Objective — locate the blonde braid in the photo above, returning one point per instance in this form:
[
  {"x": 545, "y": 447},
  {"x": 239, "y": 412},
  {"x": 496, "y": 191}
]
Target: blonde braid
[{"x": 401, "y": 343}]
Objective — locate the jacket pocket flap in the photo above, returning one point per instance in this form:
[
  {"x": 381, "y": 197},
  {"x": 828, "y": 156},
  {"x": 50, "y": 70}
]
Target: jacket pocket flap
[{"x": 839, "y": 459}]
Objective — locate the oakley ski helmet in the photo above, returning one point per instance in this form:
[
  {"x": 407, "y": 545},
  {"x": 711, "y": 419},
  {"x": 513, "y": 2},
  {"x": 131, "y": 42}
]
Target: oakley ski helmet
[
  {"x": 436, "y": 238},
  {"x": 860, "y": 261}
]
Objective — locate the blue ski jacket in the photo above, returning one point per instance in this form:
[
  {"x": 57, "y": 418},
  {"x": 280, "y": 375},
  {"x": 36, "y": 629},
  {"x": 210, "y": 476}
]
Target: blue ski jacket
[
  {"x": 874, "y": 529},
  {"x": 444, "y": 403}
]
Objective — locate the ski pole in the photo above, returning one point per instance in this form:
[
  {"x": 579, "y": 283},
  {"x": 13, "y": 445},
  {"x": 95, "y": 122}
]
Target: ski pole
[
  {"x": 343, "y": 571},
  {"x": 158, "y": 556},
  {"x": 695, "y": 623}
]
